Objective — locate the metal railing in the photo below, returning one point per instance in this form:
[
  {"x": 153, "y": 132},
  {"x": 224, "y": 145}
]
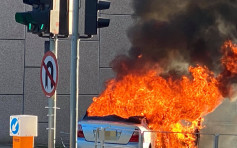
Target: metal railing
[
  {"x": 65, "y": 139},
  {"x": 206, "y": 140}
]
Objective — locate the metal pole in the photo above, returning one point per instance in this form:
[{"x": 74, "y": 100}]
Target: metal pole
[
  {"x": 74, "y": 83},
  {"x": 102, "y": 138},
  {"x": 216, "y": 140},
  {"x": 96, "y": 136},
  {"x": 52, "y": 102}
]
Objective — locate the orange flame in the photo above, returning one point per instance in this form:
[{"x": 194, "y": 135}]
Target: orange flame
[
  {"x": 163, "y": 102},
  {"x": 170, "y": 105}
]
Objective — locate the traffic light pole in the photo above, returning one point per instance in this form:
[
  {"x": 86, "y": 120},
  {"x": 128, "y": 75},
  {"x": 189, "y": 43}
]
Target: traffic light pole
[
  {"x": 52, "y": 102},
  {"x": 74, "y": 82}
]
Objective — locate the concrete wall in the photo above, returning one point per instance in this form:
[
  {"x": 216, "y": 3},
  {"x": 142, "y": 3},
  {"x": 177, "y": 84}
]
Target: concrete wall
[{"x": 20, "y": 58}]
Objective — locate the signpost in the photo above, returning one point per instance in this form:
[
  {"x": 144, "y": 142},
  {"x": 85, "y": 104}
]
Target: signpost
[{"x": 49, "y": 80}]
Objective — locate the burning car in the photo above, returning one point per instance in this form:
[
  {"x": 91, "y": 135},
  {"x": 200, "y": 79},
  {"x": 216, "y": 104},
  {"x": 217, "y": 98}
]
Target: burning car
[{"x": 113, "y": 131}]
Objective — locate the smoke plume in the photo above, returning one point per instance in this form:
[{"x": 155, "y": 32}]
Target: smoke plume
[{"x": 171, "y": 33}]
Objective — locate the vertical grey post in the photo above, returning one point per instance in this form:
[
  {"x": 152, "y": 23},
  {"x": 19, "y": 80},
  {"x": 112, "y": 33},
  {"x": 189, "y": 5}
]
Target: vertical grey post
[
  {"x": 74, "y": 83},
  {"x": 216, "y": 140},
  {"x": 52, "y": 103},
  {"x": 96, "y": 136},
  {"x": 102, "y": 138}
]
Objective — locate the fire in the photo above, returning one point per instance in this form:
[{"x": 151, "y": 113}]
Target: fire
[
  {"x": 170, "y": 105},
  {"x": 229, "y": 59}
]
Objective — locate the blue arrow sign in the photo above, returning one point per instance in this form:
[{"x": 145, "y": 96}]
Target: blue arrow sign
[{"x": 14, "y": 126}]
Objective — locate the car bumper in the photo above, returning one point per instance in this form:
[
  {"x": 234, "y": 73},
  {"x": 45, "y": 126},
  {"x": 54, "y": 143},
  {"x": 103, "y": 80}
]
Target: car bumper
[{"x": 81, "y": 143}]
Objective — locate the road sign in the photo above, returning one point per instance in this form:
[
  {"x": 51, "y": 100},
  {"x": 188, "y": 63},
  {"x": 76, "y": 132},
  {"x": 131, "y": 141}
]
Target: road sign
[
  {"x": 14, "y": 126},
  {"x": 23, "y": 125},
  {"x": 49, "y": 74}
]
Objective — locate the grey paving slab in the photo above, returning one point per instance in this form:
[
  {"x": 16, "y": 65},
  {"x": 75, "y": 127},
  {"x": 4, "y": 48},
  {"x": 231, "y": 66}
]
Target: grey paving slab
[
  {"x": 34, "y": 98},
  {"x": 89, "y": 68},
  {"x": 88, "y": 64},
  {"x": 11, "y": 66},
  {"x": 120, "y": 7},
  {"x": 64, "y": 65},
  {"x": 225, "y": 112},
  {"x": 9, "y": 28},
  {"x": 34, "y": 50},
  {"x": 42, "y": 139},
  {"x": 114, "y": 40},
  {"x": 9, "y": 105},
  {"x": 206, "y": 141},
  {"x": 63, "y": 115},
  {"x": 105, "y": 75},
  {"x": 227, "y": 141}
]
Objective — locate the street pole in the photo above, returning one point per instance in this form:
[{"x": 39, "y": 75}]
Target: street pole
[
  {"x": 52, "y": 102},
  {"x": 74, "y": 73}
]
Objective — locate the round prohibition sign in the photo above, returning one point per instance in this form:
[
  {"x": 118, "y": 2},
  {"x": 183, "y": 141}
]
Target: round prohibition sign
[{"x": 49, "y": 74}]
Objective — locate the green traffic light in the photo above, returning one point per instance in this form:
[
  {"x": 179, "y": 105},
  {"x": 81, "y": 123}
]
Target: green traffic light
[
  {"x": 30, "y": 26},
  {"x": 42, "y": 26},
  {"x": 37, "y": 20}
]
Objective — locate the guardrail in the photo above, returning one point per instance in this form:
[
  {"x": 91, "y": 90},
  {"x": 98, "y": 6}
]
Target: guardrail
[
  {"x": 65, "y": 139},
  {"x": 206, "y": 140}
]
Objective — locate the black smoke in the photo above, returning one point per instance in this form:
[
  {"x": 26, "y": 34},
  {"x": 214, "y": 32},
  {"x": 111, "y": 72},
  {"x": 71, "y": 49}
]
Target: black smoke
[{"x": 184, "y": 31}]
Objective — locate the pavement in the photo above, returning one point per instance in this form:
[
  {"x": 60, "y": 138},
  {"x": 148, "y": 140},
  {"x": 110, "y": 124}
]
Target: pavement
[
  {"x": 5, "y": 146},
  {"x": 10, "y": 146}
]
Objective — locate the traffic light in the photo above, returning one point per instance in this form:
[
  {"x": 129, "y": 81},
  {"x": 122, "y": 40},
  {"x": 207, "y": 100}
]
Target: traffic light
[
  {"x": 37, "y": 20},
  {"x": 92, "y": 22},
  {"x": 64, "y": 18}
]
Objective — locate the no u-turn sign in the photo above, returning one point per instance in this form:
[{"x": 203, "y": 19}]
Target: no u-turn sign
[{"x": 49, "y": 74}]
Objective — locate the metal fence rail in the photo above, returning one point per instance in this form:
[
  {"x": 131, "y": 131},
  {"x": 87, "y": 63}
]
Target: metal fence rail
[
  {"x": 205, "y": 140},
  {"x": 65, "y": 139}
]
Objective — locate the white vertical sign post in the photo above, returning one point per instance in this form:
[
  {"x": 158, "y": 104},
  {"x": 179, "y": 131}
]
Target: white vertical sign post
[
  {"x": 52, "y": 100},
  {"x": 49, "y": 80}
]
